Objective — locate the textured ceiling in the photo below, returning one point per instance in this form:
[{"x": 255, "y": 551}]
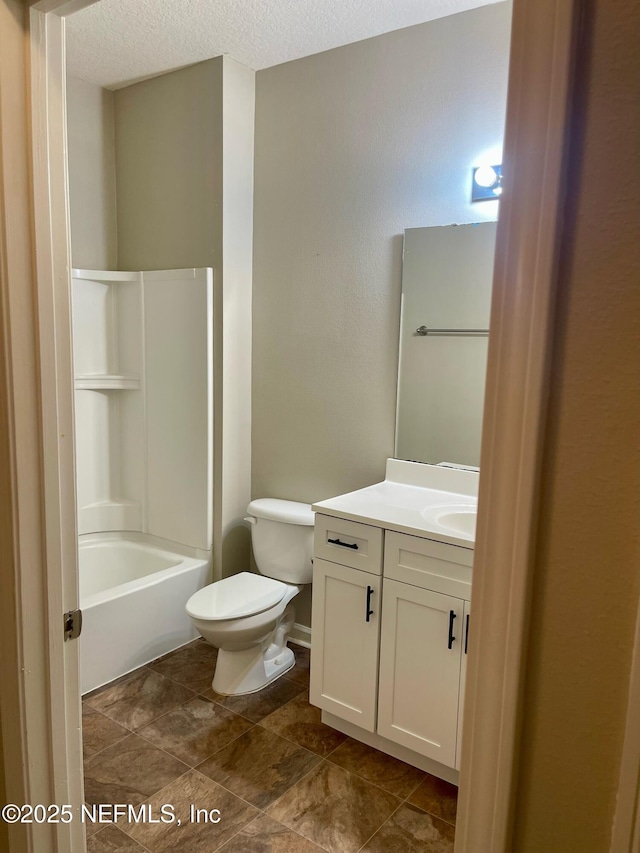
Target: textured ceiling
[{"x": 117, "y": 42}]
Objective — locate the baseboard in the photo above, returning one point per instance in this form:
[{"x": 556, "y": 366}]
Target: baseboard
[{"x": 301, "y": 635}]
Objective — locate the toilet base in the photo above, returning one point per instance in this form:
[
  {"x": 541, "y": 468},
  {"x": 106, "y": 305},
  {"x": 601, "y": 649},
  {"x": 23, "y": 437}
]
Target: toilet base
[{"x": 248, "y": 671}]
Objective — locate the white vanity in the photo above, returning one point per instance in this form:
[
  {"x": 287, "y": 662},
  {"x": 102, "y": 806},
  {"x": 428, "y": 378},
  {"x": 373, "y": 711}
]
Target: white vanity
[{"x": 391, "y": 604}]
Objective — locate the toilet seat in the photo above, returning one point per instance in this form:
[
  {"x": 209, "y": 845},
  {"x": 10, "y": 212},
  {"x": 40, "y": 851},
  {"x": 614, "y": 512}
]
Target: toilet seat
[{"x": 244, "y": 594}]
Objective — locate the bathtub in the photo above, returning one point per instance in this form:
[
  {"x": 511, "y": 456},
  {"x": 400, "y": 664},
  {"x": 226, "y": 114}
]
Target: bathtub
[{"x": 132, "y": 596}]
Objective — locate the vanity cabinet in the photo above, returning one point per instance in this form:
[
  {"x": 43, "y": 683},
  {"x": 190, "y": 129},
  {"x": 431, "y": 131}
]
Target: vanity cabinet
[
  {"x": 346, "y": 627},
  {"x": 390, "y": 636},
  {"x": 420, "y": 658}
]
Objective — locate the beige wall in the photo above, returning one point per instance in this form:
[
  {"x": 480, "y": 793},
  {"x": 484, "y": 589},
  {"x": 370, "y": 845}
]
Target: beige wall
[
  {"x": 169, "y": 170},
  {"x": 588, "y": 568},
  {"x": 353, "y": 146},
  {"x": 92, "y": 180}
]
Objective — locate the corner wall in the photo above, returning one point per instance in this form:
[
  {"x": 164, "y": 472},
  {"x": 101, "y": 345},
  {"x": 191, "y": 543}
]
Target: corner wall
[
  {"x": 92, "y": 178},
  {"x": 353, "y": 146},
  {"x": 184, "y": 166}
]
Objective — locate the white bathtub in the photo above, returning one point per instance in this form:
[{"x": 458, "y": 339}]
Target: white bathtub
[{"x": 132, "y": 595}]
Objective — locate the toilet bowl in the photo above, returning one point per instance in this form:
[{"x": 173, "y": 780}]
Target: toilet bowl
[{"x": 249, "y": 617}]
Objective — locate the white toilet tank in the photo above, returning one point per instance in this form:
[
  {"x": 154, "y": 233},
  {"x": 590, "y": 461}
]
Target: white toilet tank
[{"x": 282, "y": 538}]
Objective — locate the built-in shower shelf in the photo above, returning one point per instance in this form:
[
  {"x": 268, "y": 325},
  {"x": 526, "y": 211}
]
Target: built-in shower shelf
[{"x": 107, "y": 382}]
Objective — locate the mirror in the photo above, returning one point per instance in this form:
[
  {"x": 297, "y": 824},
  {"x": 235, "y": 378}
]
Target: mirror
[{"x": 447, "y": 274}]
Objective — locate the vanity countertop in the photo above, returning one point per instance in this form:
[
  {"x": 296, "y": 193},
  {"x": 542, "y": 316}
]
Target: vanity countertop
[{"x": 423, "y": 500}]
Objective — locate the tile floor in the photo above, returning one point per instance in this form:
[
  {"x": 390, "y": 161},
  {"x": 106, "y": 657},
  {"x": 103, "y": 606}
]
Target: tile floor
[{"x": 283, "y": 781}]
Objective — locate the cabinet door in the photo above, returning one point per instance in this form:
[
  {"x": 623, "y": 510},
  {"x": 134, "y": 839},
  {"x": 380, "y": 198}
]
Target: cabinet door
[
  {"x": 420, "y": 653},
  {"x": 344, "y": 654},
  {"x": 463, "y": 678}
]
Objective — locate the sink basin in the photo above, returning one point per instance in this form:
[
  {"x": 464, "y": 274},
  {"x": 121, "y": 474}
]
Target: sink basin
[
  {"x": 461, "y": 522},
  {"x": 460, "y": 519}
]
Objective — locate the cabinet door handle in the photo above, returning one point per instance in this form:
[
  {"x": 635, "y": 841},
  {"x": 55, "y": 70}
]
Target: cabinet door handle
[
  {"x": 466, "y": 634},
  {"x": 452, "y": 616},
  {"x": 343, "y": 544},
  {"x": 370, "y": 592}
]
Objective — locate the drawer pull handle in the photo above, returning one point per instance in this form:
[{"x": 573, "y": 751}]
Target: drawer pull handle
[
  {"x": 343, "y": 544},
  {"x": 370, "y": 592},
  {"x": 452, "y": 616},
  {"x": 466, "y": 635}
]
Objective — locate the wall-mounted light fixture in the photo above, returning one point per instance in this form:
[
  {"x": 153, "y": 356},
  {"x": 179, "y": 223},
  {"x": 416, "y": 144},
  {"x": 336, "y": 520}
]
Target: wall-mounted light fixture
[{"x": 486, "y": 183}]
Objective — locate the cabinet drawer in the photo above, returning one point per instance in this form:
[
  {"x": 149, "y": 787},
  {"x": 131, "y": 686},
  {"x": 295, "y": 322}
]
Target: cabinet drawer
[
  {"x": 348, "y": 543},
  {"x": 430, "y": 565}
]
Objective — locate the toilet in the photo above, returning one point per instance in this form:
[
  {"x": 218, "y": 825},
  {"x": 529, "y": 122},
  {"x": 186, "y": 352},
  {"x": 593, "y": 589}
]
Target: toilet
[{"x": 247, "y": 616}]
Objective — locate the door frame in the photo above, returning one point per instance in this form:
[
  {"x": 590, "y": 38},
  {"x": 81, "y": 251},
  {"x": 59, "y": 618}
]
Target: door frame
[
  {"x": 39, "y": 705},
  {"x": 40, "y": 701},
  {"x": 522, "y": 315}
]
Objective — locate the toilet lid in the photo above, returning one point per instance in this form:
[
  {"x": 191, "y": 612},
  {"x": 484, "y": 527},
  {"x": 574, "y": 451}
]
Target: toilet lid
[{"x": 240, "y": 595}]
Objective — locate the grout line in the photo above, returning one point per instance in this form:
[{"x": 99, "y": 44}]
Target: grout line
[
  {"x": 375, "y": 784},
  {"x": 150, "y": 797},
  {"x": 430, "y": 814},
  {"x": 294, "y": 742},
  {"x": 425, "y": 811},
  {"x": 116, "y": 825},
  {"x": 215, "y": 752},
  {"x": 291, "y": 787},
  {"x": 170, "y": 754},
  {"x": 222, "y": 785},
  {"x": 130, "y": 837},
  {"x": 235, "y": 834},
  {"x": 99, "y": 751},
  {"x": 170, "y": 711},
  {"x": 413, "y": 790},
  {"x": 228, "y": 791},
  {"x": 380, "y": 827},
  {"x": 261, "y": 813},
  {"x": 300, "y": 835},
  {"x": 153, "y": 719}
]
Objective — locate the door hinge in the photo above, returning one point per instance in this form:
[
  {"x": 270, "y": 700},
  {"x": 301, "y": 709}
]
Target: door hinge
[{"x": 72, "y": 624}]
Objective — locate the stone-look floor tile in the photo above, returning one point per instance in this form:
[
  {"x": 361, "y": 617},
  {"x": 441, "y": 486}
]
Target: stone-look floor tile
[
  {"x": 437, "y": 797},
  {"x": 300, "y": 672},
  {"x": 98, "y": 731},
  {"x": 300, "y": 722},
  {"x": 92, "y": 828},
  {"x": 195, "y": 730},
  {"x": 383, "y": 770},
  {"x": 259, "y": 766},
  {"x": 256, "y": 706},
  {"x": 193, "y": 837},
  {"x": 411, "y": 830},
  {"x": 265, "y": 835},
  {"x": 334, "y": 808},
  {"x": 192, "y": 666},
  {"x": 130, "y": 771},
  {"x": 111, "y": 840},
  {"x": 139, "y": 699}
]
